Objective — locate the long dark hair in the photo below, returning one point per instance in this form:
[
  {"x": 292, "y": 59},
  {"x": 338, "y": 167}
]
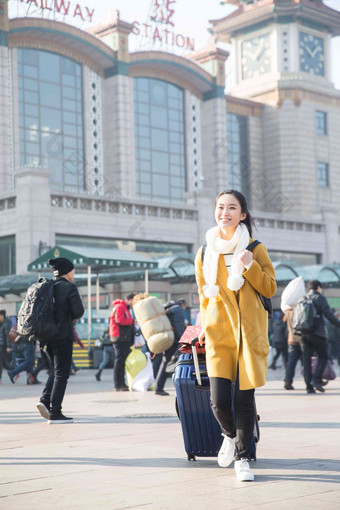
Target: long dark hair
[{"x": 248, "y": 220}]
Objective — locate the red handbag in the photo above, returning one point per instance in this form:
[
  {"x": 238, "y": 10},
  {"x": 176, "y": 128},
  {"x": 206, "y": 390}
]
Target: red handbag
[
  {"x": 190, "y": 338},
  {"x": 13, "y": 335}
]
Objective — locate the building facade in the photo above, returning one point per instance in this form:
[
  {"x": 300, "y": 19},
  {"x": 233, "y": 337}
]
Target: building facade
[{"x": 103, "y": 147}]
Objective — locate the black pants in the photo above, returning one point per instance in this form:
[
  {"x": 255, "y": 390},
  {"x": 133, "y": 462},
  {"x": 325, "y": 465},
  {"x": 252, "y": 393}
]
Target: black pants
[
  {"x": 43, "y": 362},
  {"x": 311, "y": 344},
  {"x": 3, "y": 358},
  {"x": 122, "y": 350},
  {"x": 280, "y": 351},
  {"x": 294, "y": 354},
  {"x": 161, "y": 374},
  {"x": 221, "y": 403},
  {"x": 60, "y": 354}
]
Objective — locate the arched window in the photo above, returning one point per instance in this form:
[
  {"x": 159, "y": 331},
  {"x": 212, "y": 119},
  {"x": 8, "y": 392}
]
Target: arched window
[
  {"x": 159, "y": 140},
  {"x": 51, "y": 117}
]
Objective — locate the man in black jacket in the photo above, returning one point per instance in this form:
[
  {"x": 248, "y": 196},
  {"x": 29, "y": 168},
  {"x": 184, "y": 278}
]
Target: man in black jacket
[
  {"x": 68, "y": 308},
  {"x": 317, "y": 341}
]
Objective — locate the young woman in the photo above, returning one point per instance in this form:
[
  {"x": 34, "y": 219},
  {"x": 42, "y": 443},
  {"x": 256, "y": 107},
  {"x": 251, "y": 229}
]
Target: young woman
[{"x": 234, "y": 323}]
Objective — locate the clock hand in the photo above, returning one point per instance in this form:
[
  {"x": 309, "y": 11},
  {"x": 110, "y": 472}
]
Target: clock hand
[
  {"x": 314, "y": 52},
  {"x": 309, "y": 51},
  {"x": 259, "y": 50}
]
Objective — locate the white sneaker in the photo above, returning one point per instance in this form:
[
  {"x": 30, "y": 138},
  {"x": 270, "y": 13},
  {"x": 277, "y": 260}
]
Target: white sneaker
[
  {"x": 243, "y": 471},
  {"x": 227, "y": 452},
  {"x": 45, "y": 413}
]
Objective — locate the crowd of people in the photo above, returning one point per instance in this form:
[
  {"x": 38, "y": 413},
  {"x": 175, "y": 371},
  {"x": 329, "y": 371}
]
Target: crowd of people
[
  {"x": 323, "y": 342},
  {"x": 124, "y": 332}
]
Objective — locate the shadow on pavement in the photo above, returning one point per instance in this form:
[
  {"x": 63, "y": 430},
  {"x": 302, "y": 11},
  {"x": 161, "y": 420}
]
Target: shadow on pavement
[
  {"x": 314, "y": 466},
  {"x": 20, "y": 418},
  {"x": 300, "y": 425}
]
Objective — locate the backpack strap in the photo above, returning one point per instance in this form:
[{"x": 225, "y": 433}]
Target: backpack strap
[
  {"x": 252, "y": 245},
  {"x": 204, "y": 247}
]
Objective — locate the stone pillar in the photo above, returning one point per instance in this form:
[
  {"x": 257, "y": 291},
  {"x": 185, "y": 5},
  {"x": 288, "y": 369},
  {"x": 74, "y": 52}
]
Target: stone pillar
[
  {"x": 117, "y": 110},
  {"x": 118, "y": 137},
  {"x": 33, "y": 210},
  {"x": 214, "y": 143},
  {"x": 213, "y": 118},
  {"x": 331, "y": 218},
  {"x": 6, "y": 167}
]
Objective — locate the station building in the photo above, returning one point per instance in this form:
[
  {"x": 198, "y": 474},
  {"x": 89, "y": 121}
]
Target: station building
[{"x": 112, "y": 149}]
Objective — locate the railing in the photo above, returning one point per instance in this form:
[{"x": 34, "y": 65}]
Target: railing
[
  {"x": 160, "y": 211},
  {"x": 123, "y": 207},
  {"x": 291, "y": 224}
]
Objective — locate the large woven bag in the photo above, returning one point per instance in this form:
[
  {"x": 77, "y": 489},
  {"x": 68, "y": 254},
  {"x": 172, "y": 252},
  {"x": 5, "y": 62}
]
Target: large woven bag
[{"x": 154, "y": 323}]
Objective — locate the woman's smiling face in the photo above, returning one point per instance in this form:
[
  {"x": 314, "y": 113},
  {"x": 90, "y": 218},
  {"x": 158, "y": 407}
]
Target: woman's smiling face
[{"x": 228, "y": 212}]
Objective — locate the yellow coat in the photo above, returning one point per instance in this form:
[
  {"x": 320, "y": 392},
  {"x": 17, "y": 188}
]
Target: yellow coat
[{"x": 235, "y": 323}]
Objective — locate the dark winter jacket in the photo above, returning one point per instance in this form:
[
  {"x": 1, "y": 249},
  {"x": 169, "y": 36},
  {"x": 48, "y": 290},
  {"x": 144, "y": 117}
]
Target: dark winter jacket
[
  {"x": 177, "y": 319},
  {"x": 121, "y": 322},
  {"x": 333, "y": 334},
  {"x": 5, "y": 327},
  {"x": 279, "y": 334},
  {"x": 68, "y": 307},
  {"x": 324, "y": 310}
]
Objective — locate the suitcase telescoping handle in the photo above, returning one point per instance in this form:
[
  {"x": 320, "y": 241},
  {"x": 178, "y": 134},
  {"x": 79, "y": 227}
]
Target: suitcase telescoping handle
[{"x": 195, "y": 358}]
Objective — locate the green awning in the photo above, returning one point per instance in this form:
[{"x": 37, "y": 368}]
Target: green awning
[{"x": 101, "y": 259}]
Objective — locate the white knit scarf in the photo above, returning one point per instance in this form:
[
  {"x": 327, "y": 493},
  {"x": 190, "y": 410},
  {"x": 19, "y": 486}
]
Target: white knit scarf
[{"x": 215, "y": 246}]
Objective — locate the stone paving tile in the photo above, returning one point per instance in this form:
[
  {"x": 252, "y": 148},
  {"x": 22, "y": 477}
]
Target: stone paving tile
[{"x": 126, "y": 451}]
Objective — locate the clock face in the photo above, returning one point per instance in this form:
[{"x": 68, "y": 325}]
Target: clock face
[
  {"x": 255, "y": 56},
  {"x": 312, "y": 59}
]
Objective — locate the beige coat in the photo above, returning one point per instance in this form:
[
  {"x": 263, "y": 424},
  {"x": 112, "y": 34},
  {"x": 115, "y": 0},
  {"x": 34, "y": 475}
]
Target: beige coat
[{"x": 236, "y": 324}]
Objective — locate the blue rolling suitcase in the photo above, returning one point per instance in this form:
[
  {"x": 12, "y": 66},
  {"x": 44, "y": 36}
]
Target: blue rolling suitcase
[{"x": 201, "y": 431}]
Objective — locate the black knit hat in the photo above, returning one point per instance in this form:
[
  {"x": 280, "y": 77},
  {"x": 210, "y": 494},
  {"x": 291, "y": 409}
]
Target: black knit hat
[{"x": 61, "y": 266}]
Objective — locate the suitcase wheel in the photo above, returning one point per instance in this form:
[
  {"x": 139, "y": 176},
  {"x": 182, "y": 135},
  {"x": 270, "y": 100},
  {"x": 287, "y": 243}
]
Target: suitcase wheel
[{"x": 191, "y": 456}]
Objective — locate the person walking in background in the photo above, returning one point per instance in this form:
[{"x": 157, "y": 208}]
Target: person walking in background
[
  {"x": 43, "y": 361},
  {"x": 27, "y": 350},
  {"x": 74, "y": 368},
  {"x": 108, "y": 353},
  {"x": 121, "y": 331},
  {"x": 333, "y": 340},
  {"x": 68, "y": 308},
  {"x": 175, "y": 313},
  {"x": 5, "y": 346},
  {"x": 234, "y": 323},
  {"x": 279, "y": 340},
  {"x": 317, "y": 340},
  {"x": 182, "y": 302},
  {"x": 294, "y": 351}
]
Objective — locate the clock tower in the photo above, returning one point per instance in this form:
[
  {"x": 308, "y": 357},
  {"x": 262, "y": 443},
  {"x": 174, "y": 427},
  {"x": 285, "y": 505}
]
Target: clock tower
[
  {"x": 280, "y": 58},
  {"x": 278, "y": 44}
]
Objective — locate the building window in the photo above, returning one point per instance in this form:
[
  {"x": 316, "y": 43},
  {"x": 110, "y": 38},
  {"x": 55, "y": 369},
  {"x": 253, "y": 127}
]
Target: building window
[
  {"x": 323, "y": 174},
  {"x": 237, "y": 143},
  {"x": 321, "y": 122},
  {"x": 159, "y": 140},
  {"x": 51, "y": 117},
  {"x": 7, "y": 255}
]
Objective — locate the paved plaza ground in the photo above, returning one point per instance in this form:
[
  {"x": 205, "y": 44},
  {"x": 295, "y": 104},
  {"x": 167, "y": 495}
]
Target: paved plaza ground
[{"x": 125, "y": 451}]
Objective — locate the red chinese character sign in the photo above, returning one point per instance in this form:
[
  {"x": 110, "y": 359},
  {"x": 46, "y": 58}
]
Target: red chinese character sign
[
  {"x": 163, "y": 11},
  {"x": 159, "y": 30}
]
